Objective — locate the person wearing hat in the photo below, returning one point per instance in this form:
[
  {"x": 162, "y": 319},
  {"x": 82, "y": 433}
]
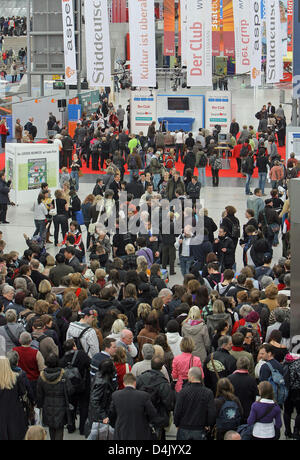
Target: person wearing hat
[{"x": 83, "y": 333}]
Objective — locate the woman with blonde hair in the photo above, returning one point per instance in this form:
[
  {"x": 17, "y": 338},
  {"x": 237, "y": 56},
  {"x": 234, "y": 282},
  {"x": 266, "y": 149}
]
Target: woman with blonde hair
[
  {"x": 130, "y": 260},
  {"x": 142, "y": 265},
  {"x": 183, "y": 362},
  {"x": 219, "y": 314},
  {"x": 116, "y": 329},
  {"x": 71, "y": 301},
  {"x": 44, "y": 289},
  {"x": 36, "y": 433},
  {"x": 13, "y": 424},
  {"x": 193, "y": 326}
]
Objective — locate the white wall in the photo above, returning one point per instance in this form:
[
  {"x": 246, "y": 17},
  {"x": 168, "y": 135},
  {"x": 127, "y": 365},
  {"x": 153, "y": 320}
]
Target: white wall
[
  {"x": 39, "y": 108},
  {"x": 196, "y": 104}
]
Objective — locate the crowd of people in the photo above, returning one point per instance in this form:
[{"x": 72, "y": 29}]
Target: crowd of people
[
  {"x": 13, "y": 26},
  {"x": 98, "y": 338}
]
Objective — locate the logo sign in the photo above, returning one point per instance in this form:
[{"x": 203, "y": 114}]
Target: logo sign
[
  {"x": 242, "y": 35},
  {"x": 255, "y": 42},
  {"x": 97, "y": 39},
  {"x": 69, "y": 42},
  {"x": 274, "y": 67},
  {"x": 142, "y": 43},
  {"x": 199, "y": 43}
]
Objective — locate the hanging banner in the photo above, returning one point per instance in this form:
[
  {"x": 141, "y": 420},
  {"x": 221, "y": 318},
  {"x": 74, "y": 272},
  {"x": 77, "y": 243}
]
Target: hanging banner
[
  {"x": 296, "y": 53},
  {"x": 118, "y": 11},
  {"x": 290, "y": 11},
  {"x": 97, "y": 39},
  {"x": 255, "y": 42},
  {"x": 216, "y": 27},
  {"x": 169, "y": 27},
  {"x": 199, "y": 43},
  {"x": 274, "y": 65},
  {"x": 241, "y": 36},
  {"x": 183, "y": 28},
  {"x": 142, "y": 42},
  {"x": 69, "y": 42},
  {"x": 228, "y": 28},
  {"x": 179, "y": 30}
]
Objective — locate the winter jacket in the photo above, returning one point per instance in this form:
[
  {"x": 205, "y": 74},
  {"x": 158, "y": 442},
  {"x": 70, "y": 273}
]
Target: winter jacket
[
  {"x": 224, "y": 363},
  {"x": 4, "y": 191},
  {"x": 174, "y": 340},
  {"x": 180, "y": 368},
  {"x": 256, "y": 203},
  {"x": 189, "y": 161},
  {"x": 172, "y": 186},
  {"x": 215, "y": 318},
  {"x": 51, "y": 397},
  {"x": 100, "y": 398},
  {"x": 193, "y": 190},
  {"x": 197, "y": 330},
  {"x": 163, "y": 397}
]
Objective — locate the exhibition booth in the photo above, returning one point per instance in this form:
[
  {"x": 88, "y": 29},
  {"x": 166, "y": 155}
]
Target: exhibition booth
[{"x": 28, "y": 166}]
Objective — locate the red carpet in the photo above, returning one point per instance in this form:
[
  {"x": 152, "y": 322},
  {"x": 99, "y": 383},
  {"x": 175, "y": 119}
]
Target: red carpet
[{"x": 232, "y": 172}]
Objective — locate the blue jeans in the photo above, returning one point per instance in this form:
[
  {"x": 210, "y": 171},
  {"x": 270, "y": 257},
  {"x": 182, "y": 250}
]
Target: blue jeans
[
  {"x": 202, "y": 176},
  {"x": 248, "y": 181},
  {"x": 185, "y": 264},
  {"x": 262, "y": 181},
  {"x": 40, "y": 228},
  {"x": 74, "y": 175},
  {"x": 156, "y": 179},
  {"x": 132, "y": 172}
]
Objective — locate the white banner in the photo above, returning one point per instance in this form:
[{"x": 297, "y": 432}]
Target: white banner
[
  {"x": 255, "y": 42},
  {"x": 97, "y": 39},
  {"x": 199, "y": 43},
  {"x": 183, "y": 18},
  {"x": 142, "y": 42},
  {"x": 274, "y": 67},
  {"x": 69, "y": 42},
  {"x": 242, "y": 35}
]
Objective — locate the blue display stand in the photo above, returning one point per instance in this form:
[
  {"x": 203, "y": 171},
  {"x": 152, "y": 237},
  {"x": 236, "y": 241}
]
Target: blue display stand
[{"x": 176, "y": 123}]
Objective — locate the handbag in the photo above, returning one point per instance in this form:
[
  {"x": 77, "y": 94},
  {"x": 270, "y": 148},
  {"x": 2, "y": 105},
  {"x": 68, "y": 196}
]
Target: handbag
[
  {"x": 101, "y": 432},
  {"x": 80, "y": 173},
  {"x": 92, "y": 226},
  {"x": 53, "y": 212}
]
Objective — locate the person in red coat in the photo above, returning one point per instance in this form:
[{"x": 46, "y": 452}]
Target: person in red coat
[
  {"x": 122, "y": 367},
  {"x": 3, "y": 131}
]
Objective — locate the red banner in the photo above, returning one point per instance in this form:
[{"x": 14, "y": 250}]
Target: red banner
[
  {"x": 216, "y": 27},
  {"x": 290, "y": 12},
  {"x": 169, "y": 27},
  {"x": 228, "y": 28},
  {"x": 119, "y": 11}
]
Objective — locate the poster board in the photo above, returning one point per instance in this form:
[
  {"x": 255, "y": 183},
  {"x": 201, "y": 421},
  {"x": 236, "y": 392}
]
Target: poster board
[
  {"x": 27, "y": 166},
  {"x": 218, "y": 110},
  {"x": 293, "y": 142},
  {"x": 142, "y": 110}
]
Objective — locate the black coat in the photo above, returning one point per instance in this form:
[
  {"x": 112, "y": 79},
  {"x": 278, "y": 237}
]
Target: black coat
[
  {"x": 4, "y": 191},
  {"x": 245, "y": 388},
  {"x": 130, "y": 413},
  {"x": 165, "y": 396},
  {"x": 211, "y": 227},
  {"x": 228, "y": 366},
  {"x": 100, "y": 398},
  {"x": 51, "y": 398},
  {"x": 189, "y": 161},
  {"x": 226, "y": 259},
  {"x": 13, "y": 425}
]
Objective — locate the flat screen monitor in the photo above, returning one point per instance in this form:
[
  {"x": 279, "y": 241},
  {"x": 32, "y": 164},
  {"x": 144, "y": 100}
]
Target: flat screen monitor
[
  {"x": 222, "y": 137},
  {"x": 178, "y": 103}
]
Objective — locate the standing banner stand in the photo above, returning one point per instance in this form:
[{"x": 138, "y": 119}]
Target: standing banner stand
[
  {"x": 27, "y": 166},
  {"x": 142, "y": 110}
]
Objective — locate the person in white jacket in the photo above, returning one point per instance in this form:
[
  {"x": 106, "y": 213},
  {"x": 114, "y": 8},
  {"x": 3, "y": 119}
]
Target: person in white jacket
[{"x": 173, "y": 337}]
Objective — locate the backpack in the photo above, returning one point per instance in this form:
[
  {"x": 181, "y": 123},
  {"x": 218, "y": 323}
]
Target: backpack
[
  {"x": 278, "y": 384},
  {"x": 244, "y": 151},
  {"x": 77, "y": 340},
  {"x": 229, "y": 417},
  {"x": 291, "y": 173},
  {"x": 218, "y": 164},
  {"x": 37, "y": 342},
  {"x": 202, "y": 161},
  {"x": 244, "y": 165},
  {"x": 236, "y": 230},
  {"x": 75, "y": 382},
  {"x": 169, "y": 163},
  {"x": 132, "y": 164},
  {"x": 152, "y": 390}
]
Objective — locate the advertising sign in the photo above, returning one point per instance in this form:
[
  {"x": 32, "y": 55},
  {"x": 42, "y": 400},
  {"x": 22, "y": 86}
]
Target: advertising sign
[
  {"x": 218, "y": 110},
  {"x": 142, "y": 110},
  {"x": 69, "y": 42}
]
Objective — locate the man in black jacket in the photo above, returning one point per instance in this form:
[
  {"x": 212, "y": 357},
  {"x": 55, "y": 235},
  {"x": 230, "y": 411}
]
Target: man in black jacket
[
  {"x": 130, "y": 412},
  {"x": 219, "y": 364},
  {"x": 266, "y": 220},
  {"x": 224, "y": 248},
  {"x": 162, "y": 396},
  {"x": 234, "y": 128},
  {"x": 4, "y": 197},
  {"x": 195, "y": 408},
  {"x": 67, "y": 149}
]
